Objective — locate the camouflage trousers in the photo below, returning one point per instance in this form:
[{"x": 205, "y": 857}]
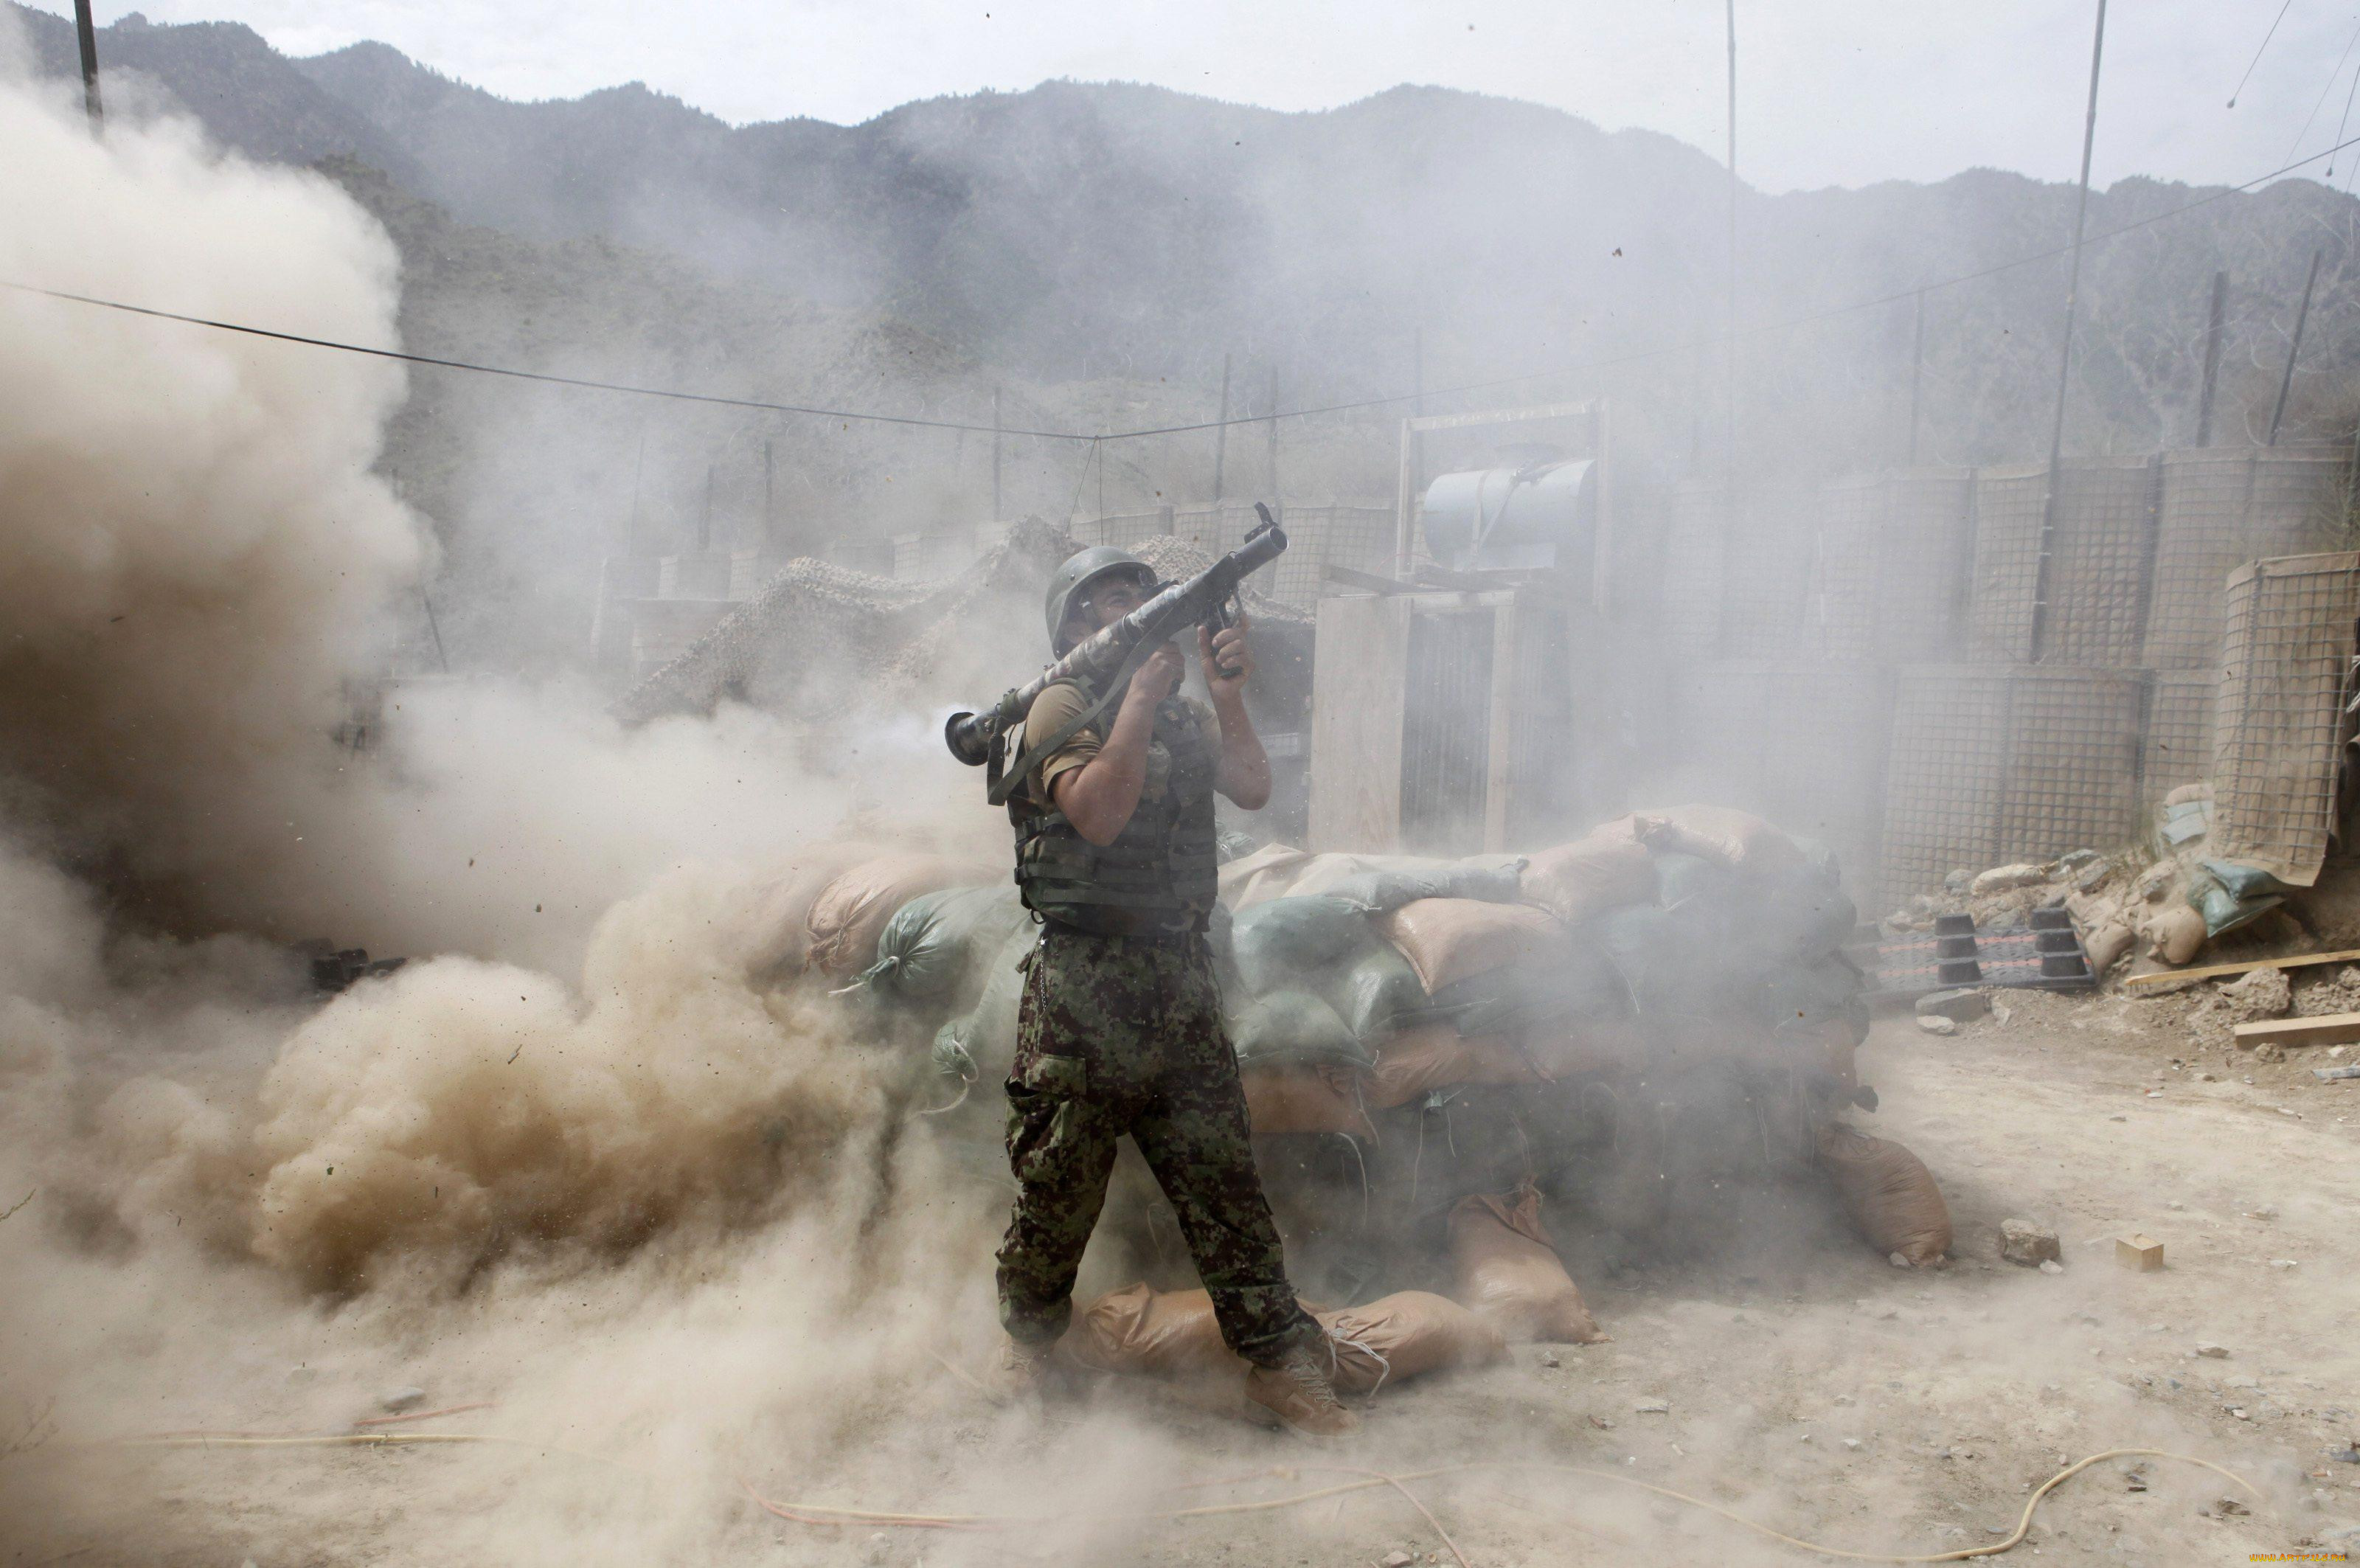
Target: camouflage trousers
[{"x": 1123, "y": 1034}]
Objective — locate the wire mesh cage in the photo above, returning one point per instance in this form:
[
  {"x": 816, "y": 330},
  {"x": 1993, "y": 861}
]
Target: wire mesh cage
[
  {"x": 1839, "y": 619},
  {"x": 1767, "y": 557},
  {"x": 1335, "y": 534},
  {"x": 2103, "y": 552},
  {"x": 2178, "y": 745},
  {"x": 1925, "y": 548},
  {"x": 2006, "y": 564},
  {"x": 2280, "y": 723},
  {"x": 2221, "y": 508},
  {"x": 1692, "y": 570}
]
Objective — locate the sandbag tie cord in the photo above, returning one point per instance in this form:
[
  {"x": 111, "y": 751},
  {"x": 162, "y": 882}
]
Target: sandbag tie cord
[{"x": 829, "y": 1514}]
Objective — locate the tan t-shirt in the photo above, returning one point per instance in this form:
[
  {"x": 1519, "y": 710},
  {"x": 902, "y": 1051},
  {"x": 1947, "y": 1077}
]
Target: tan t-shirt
[{"x": 1055, "y": 707}]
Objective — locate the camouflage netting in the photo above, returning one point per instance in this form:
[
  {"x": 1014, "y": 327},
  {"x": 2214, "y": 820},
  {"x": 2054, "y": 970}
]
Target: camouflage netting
[{"x": 815, "y": 616}]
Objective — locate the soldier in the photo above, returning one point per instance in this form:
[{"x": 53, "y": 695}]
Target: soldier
[{"x": 1120, "y": 1025}]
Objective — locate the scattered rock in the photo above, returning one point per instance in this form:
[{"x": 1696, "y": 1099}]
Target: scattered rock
[
  {"x": 1397, "y": 1559},
  {"x": 2023, "y": 1243},
  {"x": 2050, "y": 1266},
  {"x": 1549, "y": 1358},
  {"x": 1601, "y": 1423},
  {"x": 1653, "y": 1406},
  {"x": 2284, "y": 1262},
  {"x": 1853, "y": 1443},
  {"x": 2091, "y": 878},
  {"x": 2156, "y": 880},
  {"x": 1898, "y": 1261},
  {"x": 1935, "y": 1025},
  {"x": 2216, "y": 1352},
  {"x": 1959, "y": 1006},
  {"x": 1957, "y": 882},
  {"x": 2264, "y": 993},
  {"x": 393, "y": 1401},
  {"x": 2231, "y": 1507},
  {"x": 2267, "y": 1211},
  {"x": 2001, "y": 879}
]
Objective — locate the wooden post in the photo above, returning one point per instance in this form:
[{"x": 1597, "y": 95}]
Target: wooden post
[
  {"x": 995, "y": 454},
  {"x": 2212, "y": 358},
  {"x": 1917, "y": 373},
  {"x": 2285, "y": 381},
  {"x": 87, "y": 34},
  {"x": 1221, "y": 433}
]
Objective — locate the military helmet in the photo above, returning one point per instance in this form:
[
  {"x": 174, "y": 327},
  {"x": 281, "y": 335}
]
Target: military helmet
[{"x": 1076, "y": 578}]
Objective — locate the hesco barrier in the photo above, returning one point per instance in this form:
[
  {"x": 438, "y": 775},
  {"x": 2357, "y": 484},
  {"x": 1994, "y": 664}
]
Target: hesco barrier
[
  {"x": 2179, "y": 745},
  {"x": 2006, "y": 564},
  {"x": 1840, "y": 623},
  {"x": 1766, "y": 572},
  {"x": 1803, "y": 745},
  {"x": 1924, "y": 547},
  {"x": 2285, "y": 675},
  {"x": 2102, "y": 555},
  {"x": 2222, "y": 507},
  {"x": 1993, "y": 763},
  {"x": 1692, "y": 571}
]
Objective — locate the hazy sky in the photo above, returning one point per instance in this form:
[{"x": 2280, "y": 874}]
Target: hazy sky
[{"x": 1831, "y": 92}]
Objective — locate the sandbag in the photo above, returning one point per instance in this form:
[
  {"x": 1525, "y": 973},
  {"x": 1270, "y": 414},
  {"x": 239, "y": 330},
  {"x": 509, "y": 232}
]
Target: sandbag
[
  {"x": 1374, "y": 991},
  {"x": 1293, "y": 1025},
  {"x": 1565, "y": 1047},
  {"x": 1736, "y": 839},
  {"x": 1436, "y": 1056},
  {"x": 1378, "y": 891},
  {"x": 1266, "y": 873},
  {"x": 980, "y": 1045},
  {"x": 1403, "y": 1335},
  {"x": 1447, "y": 940},
  {"x": 1304, "y": 1099},
  {"x": 935, "y": 943},
  {"x": 1503, "y": 1266},
  {"x": 1681, "y": 876},
  {"x": 1888, "y": 1192},
  {"x": 1277, "y": 943},
  {"x": 850, "y": 912},
  {"x": 1325, "y": 871},
  {"x": 1172, "y": 1334},
  {"x": 1580, "y": 984},
  {"x": 1590, "y": 876},
  {"x": 1801, "y": 912},
  {"x": 782, "y": 909}
]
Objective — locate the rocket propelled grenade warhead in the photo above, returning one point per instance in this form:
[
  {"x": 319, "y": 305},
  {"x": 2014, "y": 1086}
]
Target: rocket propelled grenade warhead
[{"x": 1202, "y": 601}]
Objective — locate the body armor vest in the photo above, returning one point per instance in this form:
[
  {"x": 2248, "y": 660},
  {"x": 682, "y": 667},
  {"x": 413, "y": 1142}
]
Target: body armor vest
[{"x": 1158, "y": 877}]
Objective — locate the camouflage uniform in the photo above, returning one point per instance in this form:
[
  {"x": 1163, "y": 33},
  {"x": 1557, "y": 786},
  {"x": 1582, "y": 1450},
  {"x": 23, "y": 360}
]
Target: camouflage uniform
[{"x": 1120, "y": 1032}]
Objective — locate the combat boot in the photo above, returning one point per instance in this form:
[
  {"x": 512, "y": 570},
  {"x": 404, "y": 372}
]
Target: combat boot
[
  {"x": 1298, "y": 1392},
  {"x": 1017, "y": 1372}
]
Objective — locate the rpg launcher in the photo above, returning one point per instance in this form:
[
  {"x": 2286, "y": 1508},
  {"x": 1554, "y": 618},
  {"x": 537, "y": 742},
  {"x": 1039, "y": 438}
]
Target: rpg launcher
[{"x": 1104, "y": 663}]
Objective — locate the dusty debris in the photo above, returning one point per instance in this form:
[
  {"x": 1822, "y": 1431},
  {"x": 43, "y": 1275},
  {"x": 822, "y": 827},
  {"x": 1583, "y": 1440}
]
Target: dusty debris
[
  {"x": 2140, "y": 1252},
  {"x": 2003, "y": 878},
  {"x": 2028, "y": 1245},
  {"x": 2216, "y": 1352},
  {"x": 1652, "y": 1407},
  {"x": 1959, "y": 1006},
  {"x": 1934, "y": 1023},
  {"x": 2263, "y": 993}
]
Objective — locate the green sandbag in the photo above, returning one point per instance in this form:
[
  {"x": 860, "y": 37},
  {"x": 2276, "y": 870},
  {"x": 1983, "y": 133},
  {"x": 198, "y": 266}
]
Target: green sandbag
[
  {"x": 1375, "y": 990},
  {"x": 1584, "y": 985},
  {"x": 1379, "y": 891},
  {"x": 1276, "y": 944},
  {"x": 934, "y": 942},
  {"x": 1799, "y": 915},
  {"x": 1680, "y": 877},
  {"x": 1293, "y": 1027},
  {"x": 1807, "y": 993},
  {"x": 1669, "y": 959},
  {"x": 981, "y": 1044}
]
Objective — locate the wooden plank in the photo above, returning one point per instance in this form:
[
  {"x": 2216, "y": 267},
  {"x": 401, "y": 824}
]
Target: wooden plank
[
  {"x": 1357, "y": 701},
  {"x": 2213, "y": 971},
  {"x": 1369, "y": 580},
  {"x": 2326, "y": 1029}
]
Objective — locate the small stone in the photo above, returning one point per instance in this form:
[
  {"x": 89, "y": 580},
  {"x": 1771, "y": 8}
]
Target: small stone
[
  {"x": 2023, "y": 1243},
  {"x": 2264, "y": 993},
  {"x": 1898, "y": 1261},
  {"x": 1936, "y": 1026},
  {"x": 2289, "y": 1111},
  {"x": 1853, "y": 1443},
  {"x": 1957, "y": 882},
  {"x": 2284, "y": 1262},
  {"x": 2050, "y": 1266},
  {"x": 1959, "y": 1006},
  {"x": 2267, "y": 1211},
  {"x": 2239, "y": 1411},
  {"x": 2216, "y": 1352},
  {"x": 1549, "y": 1358},
  {"x": 2118, "y": 1118},
  {"x": 2001, "y": 879},
  {"x": 1652, "y": 1407},
  {"x": 395, "y": 1401},
  {"x": 1805, "y": 1437},
  {"x": 1601, "y": 1423},
  {"x": 1398, "y": 1560},
  {"x": 1844, "y": 1400}
]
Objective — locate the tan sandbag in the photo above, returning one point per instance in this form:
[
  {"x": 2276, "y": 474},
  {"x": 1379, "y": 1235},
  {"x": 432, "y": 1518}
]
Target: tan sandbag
[
  {"x": 1300, "y": 1098},
  {"x": 1888, "y": 1192},
  {"x": 1434, "y": 1056},
  {"x": 1403, "y": 1335},
  {"x": 1323, "y": 874},
  {"x": 1736, "y": 839},
  {"x": 2176, "y": 932},
  {"x": 1502, "y": 1266},
  {"x": 2108, "y": 942},
  {"x": 782, "y": 907},
  {"x": 1172, "y": 1334},
  {"x": 1590, "y": 876},
  {"x": 1566, "y": 1047},
  {"x": 1268, "y": 872},
  {"x": 850, "y": 912},
  {"x": 1158, "y": 1333},
  {"x": 1446, "y": 940}
]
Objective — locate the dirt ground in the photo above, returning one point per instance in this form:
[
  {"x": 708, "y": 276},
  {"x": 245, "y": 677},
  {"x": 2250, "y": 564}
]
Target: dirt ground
[{"x": 1809, "y": 1386}]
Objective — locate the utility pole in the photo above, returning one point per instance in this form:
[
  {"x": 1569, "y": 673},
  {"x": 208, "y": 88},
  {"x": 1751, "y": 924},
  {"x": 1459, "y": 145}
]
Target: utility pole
[
  {"x": 639, "y": 467},
  {"x": 1916, "y": 374},
  {"x": 1274, "y": 431},
  {"x": 1417, "y": 370},
  {"x": 704, "y": 518},
  {"x": 769, "y": 520},
  {"x": 2301, "y": 314},
  {"x": 87, "y": 34},
  {"x": 1729, "y": 433},
  {"x": 995, "y": 455},
  {"x": 1221, "y": 432},
  {"x": 2065, "y": 354},
  {"x": 2212, "y": 358}
]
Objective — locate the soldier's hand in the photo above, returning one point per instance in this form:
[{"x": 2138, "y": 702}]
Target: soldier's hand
[
  {"x": 1227, "y": 658},
  {"x": 1160, "y": 676}
]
